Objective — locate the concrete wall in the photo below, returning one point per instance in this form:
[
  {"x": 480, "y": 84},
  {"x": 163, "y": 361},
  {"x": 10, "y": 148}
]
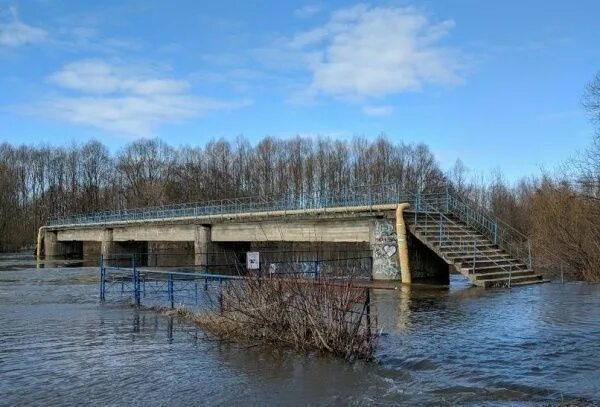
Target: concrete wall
[
  {"x": 334, "y": 230},
  {"x": 384, "y": 244}
]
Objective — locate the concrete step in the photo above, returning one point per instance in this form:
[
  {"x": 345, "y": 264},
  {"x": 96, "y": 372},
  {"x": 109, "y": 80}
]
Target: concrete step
[
  {"x": 505, "y": 281},
  {"x": 464, "y": 247},
  {"x": 506, "y": 275},
  {"x": 468, "y": 252},
  {"x": 468, "y": 257},
  {"x": 436, "y": 226},
  {"x": 452, "y": 235},
  {"x": 491, "y": 264}
]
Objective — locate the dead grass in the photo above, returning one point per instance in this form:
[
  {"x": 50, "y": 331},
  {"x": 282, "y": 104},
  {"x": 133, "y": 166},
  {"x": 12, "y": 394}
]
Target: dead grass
[{"x": 324, "y": 317}]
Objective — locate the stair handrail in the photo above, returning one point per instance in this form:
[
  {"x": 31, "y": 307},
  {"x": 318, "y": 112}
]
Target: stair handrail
[
  {"x": 439, "y": 216},
  {"x": 496, "y": 232}
]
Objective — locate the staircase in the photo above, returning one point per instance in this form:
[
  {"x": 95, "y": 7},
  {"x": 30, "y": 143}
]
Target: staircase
[{"x": 477, "y": 247}]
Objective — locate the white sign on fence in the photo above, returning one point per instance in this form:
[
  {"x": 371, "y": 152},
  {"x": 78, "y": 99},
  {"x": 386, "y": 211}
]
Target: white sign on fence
[{"x": 252, "y": 261}]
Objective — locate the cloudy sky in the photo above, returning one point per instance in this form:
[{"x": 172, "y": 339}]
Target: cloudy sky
[{"x": 496, "y": 83}]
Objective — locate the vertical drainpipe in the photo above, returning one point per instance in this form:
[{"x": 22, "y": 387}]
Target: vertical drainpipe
[
  {"x": 402, "y": 243},
  {"x": 40, "y": 239}
]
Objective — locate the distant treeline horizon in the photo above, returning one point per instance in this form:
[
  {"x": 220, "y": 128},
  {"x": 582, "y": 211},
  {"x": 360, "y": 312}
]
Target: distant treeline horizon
[{"x": 37, "y": 182}]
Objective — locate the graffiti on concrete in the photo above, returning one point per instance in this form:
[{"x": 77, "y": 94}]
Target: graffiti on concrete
[{"x": 385, "y": 250}]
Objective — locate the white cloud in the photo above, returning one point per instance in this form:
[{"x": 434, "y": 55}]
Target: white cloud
[
  {"x": 307, "y": 11},
  {"x": 370, "y": 52},
  {"x": 100, "y": 77},
  {"x": 383, "y": 110},
  {"x": 15, "y": 33},
  {"x": 123, "y": 100}
]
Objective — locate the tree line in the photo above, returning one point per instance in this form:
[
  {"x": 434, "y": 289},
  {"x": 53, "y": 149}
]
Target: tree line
[{"x": 41, "y": 181}]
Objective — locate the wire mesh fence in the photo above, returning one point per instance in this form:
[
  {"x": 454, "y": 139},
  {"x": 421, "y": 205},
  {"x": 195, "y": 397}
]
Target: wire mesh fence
[{"x": 163, "y": 281}]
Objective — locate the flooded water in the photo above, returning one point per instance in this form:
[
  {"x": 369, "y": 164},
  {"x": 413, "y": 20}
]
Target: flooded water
[{"x": 460, "y": 345}]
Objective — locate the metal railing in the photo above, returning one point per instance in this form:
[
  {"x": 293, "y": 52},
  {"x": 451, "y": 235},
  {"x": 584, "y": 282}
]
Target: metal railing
[
  {"x": 357, "y": 196},
  {"x": 125, "y": 277},
  {"x": 431, "y": 216}
]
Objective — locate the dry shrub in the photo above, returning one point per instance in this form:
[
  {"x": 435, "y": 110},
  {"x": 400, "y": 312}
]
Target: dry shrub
[
  {"x": 569, "y": 226},
  {"x": 296, "y": 313}
]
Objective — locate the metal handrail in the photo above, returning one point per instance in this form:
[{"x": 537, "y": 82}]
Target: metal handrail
[
  {"x": 515, "y": 242},
  {"x": 378, "y": 194},
  {"x": 439, "y": 217}
]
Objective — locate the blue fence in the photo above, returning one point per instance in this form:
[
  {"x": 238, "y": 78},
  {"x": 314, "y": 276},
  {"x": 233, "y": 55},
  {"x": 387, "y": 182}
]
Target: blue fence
[{"x": 123, "y": 278}]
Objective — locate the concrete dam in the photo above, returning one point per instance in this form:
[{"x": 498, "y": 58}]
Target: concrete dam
[{"x": 409, "y": 238}]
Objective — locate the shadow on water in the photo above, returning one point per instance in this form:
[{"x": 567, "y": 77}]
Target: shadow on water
[{"x": 441, "y": 346}]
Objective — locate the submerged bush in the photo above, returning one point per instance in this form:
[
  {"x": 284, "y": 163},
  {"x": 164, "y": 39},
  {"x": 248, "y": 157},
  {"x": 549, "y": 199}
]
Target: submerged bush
[{"x": 295, "y": 313}]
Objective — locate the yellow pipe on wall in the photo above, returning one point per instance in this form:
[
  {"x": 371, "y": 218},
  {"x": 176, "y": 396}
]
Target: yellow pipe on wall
[
  {"x": 402, "y": 243},
  {"x": 40, "y": 239}
]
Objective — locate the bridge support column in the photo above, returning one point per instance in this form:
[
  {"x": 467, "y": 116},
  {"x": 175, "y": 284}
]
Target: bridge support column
[
  {"x": 384, "y": 246},
  {"x": 53, "y": 249},
  {"x": 202, "y": 245},
  {"x": 108, "y": 245}
]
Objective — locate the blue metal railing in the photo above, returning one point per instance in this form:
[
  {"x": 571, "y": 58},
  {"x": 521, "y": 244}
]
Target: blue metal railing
[{"x": 357, "y": 196}]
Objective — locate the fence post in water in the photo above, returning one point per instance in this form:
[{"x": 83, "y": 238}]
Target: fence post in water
[
  {"x": 562, "y": 273},
  {"x": 136, "y": 282},
  {"x": 368, "y": 311},
  {"x": 529, "y": 254},
  {"x": 170, "y": 291},
  {"x": 102, "y": 278}
]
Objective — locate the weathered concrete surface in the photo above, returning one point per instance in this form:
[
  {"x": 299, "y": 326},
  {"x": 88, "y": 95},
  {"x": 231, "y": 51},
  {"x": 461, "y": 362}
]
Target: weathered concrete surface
[
  {"x": 81, "y": 235},
  {"x": 293, "y": 231},
  {"x": 203, "y": 247},
  {"x": 384, "y": 244},
  {"x": 151, "y": 233},
  {"x": 107, "y": 245}
]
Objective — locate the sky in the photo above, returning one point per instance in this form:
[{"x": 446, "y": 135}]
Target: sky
[{"x": 497, "y": 84}]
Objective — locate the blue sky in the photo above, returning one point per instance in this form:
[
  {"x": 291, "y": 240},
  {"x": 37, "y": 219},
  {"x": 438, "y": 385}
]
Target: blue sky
[{"x": 495, "y": 83}]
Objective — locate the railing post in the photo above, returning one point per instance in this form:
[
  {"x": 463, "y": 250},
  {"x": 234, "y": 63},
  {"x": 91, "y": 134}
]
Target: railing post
[
  {"x": 496, "y": 231},
  {"x": 529, "y": 254},
  {"x": 416, "y": 207},
  {"x": 474, "y": 258},
  {"x": 441, "y": 229},
  {"x": 447, "y": 199},
  {"x": 136, "y": 282}
]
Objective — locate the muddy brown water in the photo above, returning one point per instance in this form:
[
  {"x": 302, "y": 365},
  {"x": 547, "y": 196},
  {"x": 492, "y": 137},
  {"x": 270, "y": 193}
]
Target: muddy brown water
[{"x": 457, "y": 345}]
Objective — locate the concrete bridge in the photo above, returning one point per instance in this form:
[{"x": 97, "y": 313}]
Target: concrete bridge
[{"x": 410, "y": 238}]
